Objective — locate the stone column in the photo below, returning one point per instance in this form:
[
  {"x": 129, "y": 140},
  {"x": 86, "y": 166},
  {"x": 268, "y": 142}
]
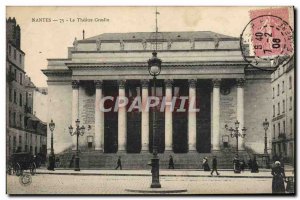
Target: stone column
[
  {"x": 216, "y": 115},
  {"x": 145, "y": 116},
  {"x": 168, "y": 117},
  {"x": 99, "y": 118},
  {"x": 192, "y": 131},
  {"x": 240, "y": 110},
  {"x": 122, "y": 115},
  {"x": 75, "y": 109}
]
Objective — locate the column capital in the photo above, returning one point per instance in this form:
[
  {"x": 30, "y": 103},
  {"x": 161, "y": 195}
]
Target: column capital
[
  {"x": 145, "y": 83},
  {"x": 121, "y": 84},
  {"x": 75, "y": 84},
  {"x": 98, "y": 84},
  {"x": 192, "y": 83},
  {"x": 240, "y": 82},
  {"x": 216, "y": 82},
  {"x": 168, "y": 82}
]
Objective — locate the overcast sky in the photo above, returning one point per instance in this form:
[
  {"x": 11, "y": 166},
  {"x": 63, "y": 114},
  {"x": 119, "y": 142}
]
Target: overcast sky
[{"x": 42, "y": 40}]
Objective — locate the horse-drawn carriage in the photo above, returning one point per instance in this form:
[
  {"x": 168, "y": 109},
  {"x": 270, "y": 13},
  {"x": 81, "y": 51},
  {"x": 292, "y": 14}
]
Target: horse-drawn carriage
[{"x": 19, "y": 162}]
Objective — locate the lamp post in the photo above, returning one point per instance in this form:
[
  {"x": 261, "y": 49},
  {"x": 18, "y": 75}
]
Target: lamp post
[
  {"x": 51, "y": 156},
  {"x": 154, "y": 68},
  {"x": 266, "y": 155},
  {"x": 235, "y": 133},
  {"x": 266, "y": 126},
  {"x": 79, "y": 131}
]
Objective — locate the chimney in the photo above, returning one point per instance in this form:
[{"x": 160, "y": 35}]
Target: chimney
[{"x": 83, "y": 34}]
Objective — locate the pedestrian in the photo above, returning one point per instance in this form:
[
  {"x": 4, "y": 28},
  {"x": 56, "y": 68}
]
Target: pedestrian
[
  {"x": 205, "y": 164},
  {"x": 254, "y": 166},
  {"x": 243, "y": 164},
  {"x": 214, "y": 166},
  {"x": 71, "y": 165},
  {"x": 236, "y": 164},
  {"x": 278, "y": 178},
  {"x": 119, "y": 163},
  {"x": 171, "y": 163},
  {"x": 250, "y": 164}
]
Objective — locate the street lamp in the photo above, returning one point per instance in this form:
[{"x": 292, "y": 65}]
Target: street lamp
[
  {"x": 51, "y": 156},
  {"x": 266, "y": 126},
  {"x": 79, "y": 131},
  {"x": 154, "y": 68},
  {"x": 235, "y": 133},
  {"x": 266, "y": 155}
]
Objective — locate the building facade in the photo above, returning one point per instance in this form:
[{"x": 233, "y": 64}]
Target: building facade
[
  {"x": 25, "y": 133},
  {"x": 283, "y": 112},
  {"x": 203, "y": 65}
]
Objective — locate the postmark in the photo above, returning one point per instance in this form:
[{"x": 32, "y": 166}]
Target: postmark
[
  {"x": 25, "y": 179},
  {"x": 267, "y": 41}
]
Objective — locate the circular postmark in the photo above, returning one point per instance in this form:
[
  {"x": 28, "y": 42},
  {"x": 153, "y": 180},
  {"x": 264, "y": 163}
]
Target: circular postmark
[
  {"x": 25, "y": 179},
  {"x": 267, "y": 41}
]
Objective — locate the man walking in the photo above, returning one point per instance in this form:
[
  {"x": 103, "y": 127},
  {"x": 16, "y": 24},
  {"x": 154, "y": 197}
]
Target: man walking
[
  {"x": 171, "y": 163},
  {"x": 119, "y": 164},
  {"x": 214, "y": 166}
]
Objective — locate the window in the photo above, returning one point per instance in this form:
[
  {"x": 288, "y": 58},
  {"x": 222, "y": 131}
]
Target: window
[
  {"x": 9, "y": 118},
  {"x": 15, "y": 96},
  {"x": 20, "y": 121},
  {"x": 290, "y": 82},
  {"x": 278, "y": 89},
  {"x": 15, "y": 74},
  {"x": 21, "y": 78},
  {"x": 26, "y": 100},
  {"x": 283, "y": 124},
  {"x": 291, "y": 126},
  {"x": 14, "y": 119},
  {"x": 278, "y": 109},
  {"x": 21, "y": 100},
  {"x": 15, "y": 54},
  {"x": 10, "y": 95},
  {"x": 278, "y": 128},
  {"x": 273, "y": 92},
  {"x": 283, "y": 106},
  {"x": 9, "y": 50},
  {"x": 282, "y": 86},
  {"x": 291, "y": 103},
  {"x": 20, "y": 139},
  {"x": 20, "y": 58},
  {"x": 274, "y": 131},
  {"x": 273, "y": 110}
]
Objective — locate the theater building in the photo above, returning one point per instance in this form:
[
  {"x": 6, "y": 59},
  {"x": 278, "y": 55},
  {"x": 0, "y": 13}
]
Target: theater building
[{"x": 203, "y": 65}]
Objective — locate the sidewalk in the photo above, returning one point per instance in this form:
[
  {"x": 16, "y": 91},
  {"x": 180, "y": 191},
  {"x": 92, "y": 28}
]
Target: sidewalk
[{"x": 264, "y": 173}]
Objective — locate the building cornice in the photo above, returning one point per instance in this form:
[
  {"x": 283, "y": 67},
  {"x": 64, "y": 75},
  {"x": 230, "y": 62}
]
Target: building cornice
[
  {"x": 144, "y": 64},
  {"x": 57, "y": 72},
  {"x": 16, "y": 66},
  {"x": 151, "y": 50},
  {"x": 159, "y": 40}
]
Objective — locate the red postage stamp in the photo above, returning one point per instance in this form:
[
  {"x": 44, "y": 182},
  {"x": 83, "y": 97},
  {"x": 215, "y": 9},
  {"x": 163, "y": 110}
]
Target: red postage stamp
[{"x": 268, "y": 37}]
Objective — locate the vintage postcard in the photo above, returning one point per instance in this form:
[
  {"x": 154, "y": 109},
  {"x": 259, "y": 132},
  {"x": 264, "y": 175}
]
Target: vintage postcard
[{"x": 150, "y": 100}]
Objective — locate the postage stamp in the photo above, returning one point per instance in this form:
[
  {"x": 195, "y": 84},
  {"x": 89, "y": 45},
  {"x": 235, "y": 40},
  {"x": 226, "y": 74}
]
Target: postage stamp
[{"x": 268, "y": 37}]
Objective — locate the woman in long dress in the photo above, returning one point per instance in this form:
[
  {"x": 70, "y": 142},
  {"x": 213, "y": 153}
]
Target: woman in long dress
[
  {"x": 278, "y": 178},
  {"x": 205, "y": 164}
]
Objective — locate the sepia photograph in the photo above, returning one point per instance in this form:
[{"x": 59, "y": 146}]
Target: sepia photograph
[{"x": 150, "y": 100}]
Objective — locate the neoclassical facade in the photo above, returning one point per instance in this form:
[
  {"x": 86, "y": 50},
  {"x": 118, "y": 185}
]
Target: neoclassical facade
[{"x": 203, "y": 65}]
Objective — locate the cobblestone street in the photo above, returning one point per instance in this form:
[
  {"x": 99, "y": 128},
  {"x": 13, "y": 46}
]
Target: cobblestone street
[{"x": 117, "y": 184}]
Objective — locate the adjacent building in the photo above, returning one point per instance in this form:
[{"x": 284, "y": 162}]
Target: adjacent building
[
  {"x": 24, "y": 131},
  {"x": 283, "y": 88}
]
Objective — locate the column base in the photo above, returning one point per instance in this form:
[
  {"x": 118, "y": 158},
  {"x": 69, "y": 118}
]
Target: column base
[
  {"x": 192, "y": 148},
  {"x": 168, "y": 149},
  {"x": 145, "y": 151},
  {"x": 122, "y": 151}
]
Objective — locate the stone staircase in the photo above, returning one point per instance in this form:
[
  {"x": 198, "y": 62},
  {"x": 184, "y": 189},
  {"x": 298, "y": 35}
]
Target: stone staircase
[{"x": 192, "y": 160}]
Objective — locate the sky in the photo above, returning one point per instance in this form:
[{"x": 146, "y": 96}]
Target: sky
[{"x": 43, "y": 40}]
